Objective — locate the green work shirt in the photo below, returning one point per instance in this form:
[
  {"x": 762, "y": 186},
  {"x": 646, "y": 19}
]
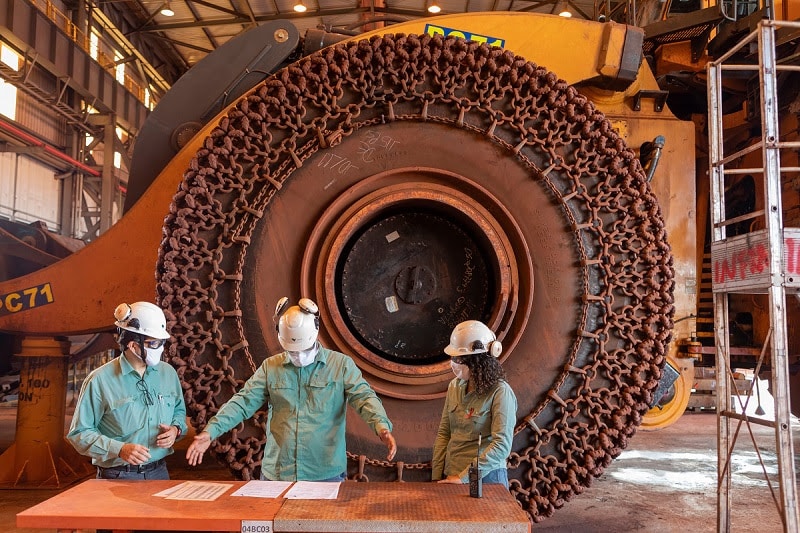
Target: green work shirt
[
  {"x": 467, "y": 415},
  {"x": 112, "y": 411},
  {"x": 306, "y": 421}
]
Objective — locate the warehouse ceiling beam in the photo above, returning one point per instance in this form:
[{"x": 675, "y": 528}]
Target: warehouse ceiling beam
[
  {"x": 233, "y": 12},
  {"x": 280, "y": 16},
  {"x": 184, "y": 44},
  {"x": 248, "y": 9},
  {"x": 160, "y": 83},
  {"x": 62, "y": 59},
  {"x": 21, "y": 80},
  {"x": 211, "y": 39}
]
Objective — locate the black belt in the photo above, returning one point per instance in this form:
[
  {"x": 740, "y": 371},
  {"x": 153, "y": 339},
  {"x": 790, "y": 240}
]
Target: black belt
[{"x": 139, "y": 469}]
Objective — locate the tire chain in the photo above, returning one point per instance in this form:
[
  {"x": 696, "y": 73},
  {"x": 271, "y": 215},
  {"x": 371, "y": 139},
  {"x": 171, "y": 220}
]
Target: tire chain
[{"x": 571, "y": 149}]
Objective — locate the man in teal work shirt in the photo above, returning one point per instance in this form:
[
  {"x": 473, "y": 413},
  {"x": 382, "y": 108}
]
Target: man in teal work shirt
[
  {"x": 308, "y": 388},
  {"x": 131, "y": 411}
]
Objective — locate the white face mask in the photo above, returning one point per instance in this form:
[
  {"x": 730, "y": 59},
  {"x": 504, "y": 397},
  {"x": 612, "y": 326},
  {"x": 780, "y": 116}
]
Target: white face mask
[
  {"x": 153, "y": 356},
  {"x": 304, "y": 358},
  {"x": 461, "y": 371}
]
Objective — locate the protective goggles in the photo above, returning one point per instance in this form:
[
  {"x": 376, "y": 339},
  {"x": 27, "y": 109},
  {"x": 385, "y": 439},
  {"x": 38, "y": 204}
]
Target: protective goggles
[{"x": 154, "y": 344}]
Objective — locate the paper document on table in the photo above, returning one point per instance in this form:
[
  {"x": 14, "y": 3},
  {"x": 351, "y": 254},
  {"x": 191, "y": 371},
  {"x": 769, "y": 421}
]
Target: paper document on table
[
  {"x": 313, "y": 490},
  {"x": 166, "y": 492},
  {"x": 196, "y": 490},
  {"x": 262, "y": 489}
]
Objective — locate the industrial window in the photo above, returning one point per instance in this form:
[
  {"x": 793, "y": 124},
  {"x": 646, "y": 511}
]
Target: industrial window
[
  {"x": 119, "y": 68},
  {"x": 94, "y": 45},
  {"x": 8, "y": 93}
]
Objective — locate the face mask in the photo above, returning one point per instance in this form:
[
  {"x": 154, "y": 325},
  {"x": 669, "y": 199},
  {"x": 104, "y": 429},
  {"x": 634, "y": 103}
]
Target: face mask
[
  {"x": 153, "y": 356},
  {"x": 461, "y": 371},
  {"x": 304, "y": 358}
]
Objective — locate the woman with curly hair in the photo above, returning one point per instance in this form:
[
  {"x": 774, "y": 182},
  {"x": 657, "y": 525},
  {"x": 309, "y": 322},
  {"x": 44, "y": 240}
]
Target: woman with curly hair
[{"x": 480, "y": 409}]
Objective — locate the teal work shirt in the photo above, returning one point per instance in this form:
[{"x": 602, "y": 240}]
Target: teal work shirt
[
  {"x": 467, "y": 415},
  {"x": 306, "y": 420},
  {"x": 112, "y": 411}
]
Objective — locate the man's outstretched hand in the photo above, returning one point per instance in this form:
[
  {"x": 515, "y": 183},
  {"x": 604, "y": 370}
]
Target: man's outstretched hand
[
  {"x": 391, "y": 445},
  {"x": 198, "y": 447}
]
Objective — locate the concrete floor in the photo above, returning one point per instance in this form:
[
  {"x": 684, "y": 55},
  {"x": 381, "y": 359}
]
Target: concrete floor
[{"x": 663, "y": 483}]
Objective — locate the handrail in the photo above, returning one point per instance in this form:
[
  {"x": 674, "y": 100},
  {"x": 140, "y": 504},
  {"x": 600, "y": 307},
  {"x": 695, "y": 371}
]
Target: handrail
[{"x": 103, "y": 58}]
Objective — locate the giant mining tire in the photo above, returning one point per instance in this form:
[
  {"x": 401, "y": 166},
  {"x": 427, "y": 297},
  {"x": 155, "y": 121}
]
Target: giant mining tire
[{"x": 406, "y": 184}]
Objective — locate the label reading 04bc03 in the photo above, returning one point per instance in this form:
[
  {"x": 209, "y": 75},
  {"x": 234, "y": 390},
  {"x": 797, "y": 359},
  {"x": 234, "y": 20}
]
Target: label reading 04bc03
[
  {"x": 14, "y": 302},
  {"x": 256, "y": 526}
]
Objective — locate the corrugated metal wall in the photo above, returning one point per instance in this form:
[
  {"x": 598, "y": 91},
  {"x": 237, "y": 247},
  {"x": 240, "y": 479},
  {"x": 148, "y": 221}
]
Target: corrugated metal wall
[
  {"x": 42, "y": 121},
  {"x": 29, "y": 191}
]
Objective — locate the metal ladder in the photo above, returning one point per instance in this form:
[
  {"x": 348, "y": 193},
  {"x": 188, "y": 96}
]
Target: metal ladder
[{"x": 753, "y": 263}]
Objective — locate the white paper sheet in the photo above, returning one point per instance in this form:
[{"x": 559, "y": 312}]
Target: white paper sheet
[
  {"x": 313, "y": 490},
  {"x": 195, "y": 490},
  {"x": 262, "y": 489},
  {"x": 166, "y": 492}
]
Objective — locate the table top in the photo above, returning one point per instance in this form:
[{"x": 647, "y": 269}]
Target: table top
[
  {"x": 131, "y": 504},
  {"x": 365, "y": 507},
  {"x": 424, "y": 507}
]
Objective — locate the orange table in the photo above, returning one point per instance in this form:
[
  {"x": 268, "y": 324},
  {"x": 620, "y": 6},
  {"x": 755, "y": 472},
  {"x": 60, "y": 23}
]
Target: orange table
[
  {"x": 425, "y": 507},
  {"x": 130, "y": 505}
]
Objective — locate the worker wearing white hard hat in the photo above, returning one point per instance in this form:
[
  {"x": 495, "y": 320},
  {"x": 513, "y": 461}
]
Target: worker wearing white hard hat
[
  {"x": 480, "y": 410},
  {"x": 308, "y": 388},
  {"x": 131, "y": 410}
]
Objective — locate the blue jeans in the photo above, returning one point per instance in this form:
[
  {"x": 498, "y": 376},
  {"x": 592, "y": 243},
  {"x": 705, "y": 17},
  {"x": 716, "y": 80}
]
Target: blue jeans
[
  {"x": 160, "y": 472},
  {"x": 499, "y": 476}
]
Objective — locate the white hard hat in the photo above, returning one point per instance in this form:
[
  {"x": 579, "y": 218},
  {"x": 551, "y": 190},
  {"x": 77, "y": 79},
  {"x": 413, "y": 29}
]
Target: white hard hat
[
  {"x": 298, "y": 326},
  {"x": 142, "y": 317},
  {"x": 473, "y": 336}
]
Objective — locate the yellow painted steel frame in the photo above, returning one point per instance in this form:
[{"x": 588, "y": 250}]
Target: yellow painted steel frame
[
  {"x": 41, "y": 457},
  {"x": 667, "y": 414},
  {"x": 79, "y": 293}
]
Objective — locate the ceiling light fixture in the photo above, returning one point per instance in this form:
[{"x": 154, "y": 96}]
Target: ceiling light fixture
[
  {"x": 562, "y": 9},
  {"x": 166, "y": 10},
  {"x": 300, "y": 7},
  {"x": 434, "y": 8}
]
